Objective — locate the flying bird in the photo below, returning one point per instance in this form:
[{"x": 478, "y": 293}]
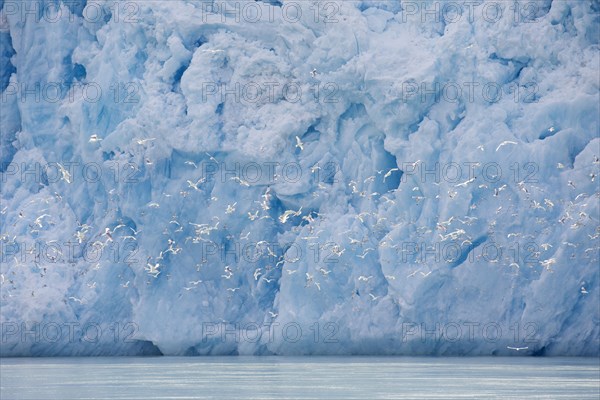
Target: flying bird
[
  {"x": 144, "y": 141},
  {"x": 465, "y": 183},
  {"x": 257, "y": 273},
  {"x": 76, "y": 299},
  {"x": 240, "y": 181},
  {"x": 288, "y": 213},
  {"x": 230, "y": 208},
  {"x": 389, "y": 173},
  {"x": 504, "y": 144},
  {"x": 299, "y": 143},
  {"x": 108, "y": 234},
  {"x": 38, "y": 220},
  {"x": 66, "y": 176},
  {"x": 194, "y": 185},
  {"x": 517, "y": 348},
  {"x": 153, "y": 269}
]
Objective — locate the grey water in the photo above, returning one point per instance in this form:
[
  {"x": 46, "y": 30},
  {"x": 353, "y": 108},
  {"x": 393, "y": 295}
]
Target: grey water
[{"x": 299, "y": 378}]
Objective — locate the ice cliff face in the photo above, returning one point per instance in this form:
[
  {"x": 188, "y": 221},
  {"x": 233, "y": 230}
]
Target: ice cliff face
[{"x": 298, "y": 177}]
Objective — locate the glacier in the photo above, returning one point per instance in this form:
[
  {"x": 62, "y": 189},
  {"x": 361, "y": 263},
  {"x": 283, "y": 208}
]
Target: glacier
[{"x": 300, "y": 177}]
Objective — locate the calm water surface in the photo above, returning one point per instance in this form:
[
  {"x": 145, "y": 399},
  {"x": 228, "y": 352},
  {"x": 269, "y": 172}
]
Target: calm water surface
[{"x": 299, "y": 378}]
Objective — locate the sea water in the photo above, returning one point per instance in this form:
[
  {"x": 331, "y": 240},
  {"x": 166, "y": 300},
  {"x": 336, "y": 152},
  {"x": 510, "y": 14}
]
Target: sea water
[{"x": 299, "y": 377}]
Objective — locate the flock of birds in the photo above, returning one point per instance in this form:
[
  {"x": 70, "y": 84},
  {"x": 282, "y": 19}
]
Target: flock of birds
[{"x": 348, "y": 250}]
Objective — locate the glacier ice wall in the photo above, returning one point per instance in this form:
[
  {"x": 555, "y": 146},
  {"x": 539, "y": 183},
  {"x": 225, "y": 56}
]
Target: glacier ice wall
[{"x": 296, "y": 177}]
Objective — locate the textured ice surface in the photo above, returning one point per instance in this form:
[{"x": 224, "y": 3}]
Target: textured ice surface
[{"x": 370, "y": 121}]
